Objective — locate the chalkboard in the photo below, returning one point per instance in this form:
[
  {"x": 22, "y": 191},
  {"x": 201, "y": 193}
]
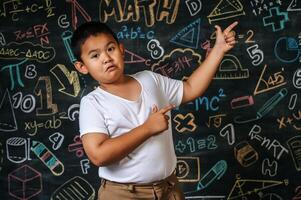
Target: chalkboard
[{"x": 240, "y": 140}]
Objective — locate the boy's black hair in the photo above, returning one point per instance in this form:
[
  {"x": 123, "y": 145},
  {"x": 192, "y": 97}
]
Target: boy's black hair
[{"x": 86, "y": 30}]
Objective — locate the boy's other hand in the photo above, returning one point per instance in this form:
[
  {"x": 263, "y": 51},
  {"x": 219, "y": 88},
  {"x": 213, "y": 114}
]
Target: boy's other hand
[
  {"x": 225, "y": 40},
  {"x": 158, "y": 120}
]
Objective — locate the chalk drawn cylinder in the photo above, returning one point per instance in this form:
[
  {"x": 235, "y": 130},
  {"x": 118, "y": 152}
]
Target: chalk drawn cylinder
[{"x": 16, "y": 148}]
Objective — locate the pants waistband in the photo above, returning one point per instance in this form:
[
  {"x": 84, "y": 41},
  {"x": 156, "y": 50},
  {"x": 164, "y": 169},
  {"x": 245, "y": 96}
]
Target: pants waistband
[{"x": 170, "y": 180}]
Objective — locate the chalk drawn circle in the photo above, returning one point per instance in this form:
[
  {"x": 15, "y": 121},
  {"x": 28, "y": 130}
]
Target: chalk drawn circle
[
  {"x": 287, "y": 50},
  {"x": 182, "y": 169}
]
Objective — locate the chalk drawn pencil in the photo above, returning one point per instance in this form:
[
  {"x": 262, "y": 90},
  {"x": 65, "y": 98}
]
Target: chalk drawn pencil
[
  {"x": 267, "y": 107},
  {"x": 271, "y": 103},
  {"x": 215, "y": 173},
  {"x": 47, "y": 157}
]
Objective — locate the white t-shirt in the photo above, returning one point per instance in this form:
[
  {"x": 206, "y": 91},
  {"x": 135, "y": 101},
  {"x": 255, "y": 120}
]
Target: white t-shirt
[{"x": 103, "y": 112}]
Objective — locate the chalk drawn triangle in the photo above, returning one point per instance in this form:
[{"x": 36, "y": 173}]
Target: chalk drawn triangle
[
  {"x": 295, "y": 5},
  {"x": 189, "y": 36},
  {"x": 247, "y": 187},
  {"x": 7, "y": 123},
  {"x": 226, "y": 9},
  {"x": 263, "y": 82},
  {"x": 130, "y": 57}
]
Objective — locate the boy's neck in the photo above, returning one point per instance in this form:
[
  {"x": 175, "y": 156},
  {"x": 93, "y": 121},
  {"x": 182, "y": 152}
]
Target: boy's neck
[
  {"x": 128, "y": 89},
  {"x": 117, "y": 84}
]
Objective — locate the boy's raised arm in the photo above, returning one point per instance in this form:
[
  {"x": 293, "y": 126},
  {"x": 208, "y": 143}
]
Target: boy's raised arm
[{"x": 200, "y": 79}]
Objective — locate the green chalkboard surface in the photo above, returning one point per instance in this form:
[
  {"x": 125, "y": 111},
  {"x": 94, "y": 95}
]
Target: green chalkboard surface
[{"x": 240, "y": 140}]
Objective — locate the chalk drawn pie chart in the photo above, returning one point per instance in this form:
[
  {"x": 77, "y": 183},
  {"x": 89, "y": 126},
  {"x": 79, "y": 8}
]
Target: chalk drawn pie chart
[{"x": 287, "y": 49}]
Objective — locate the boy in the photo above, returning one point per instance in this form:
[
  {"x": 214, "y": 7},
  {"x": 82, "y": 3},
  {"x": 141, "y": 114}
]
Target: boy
[{"x": 124, "y": 123}]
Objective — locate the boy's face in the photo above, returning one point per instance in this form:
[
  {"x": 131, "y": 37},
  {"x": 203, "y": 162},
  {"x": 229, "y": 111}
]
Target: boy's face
[{"x": 102, "y": 58}]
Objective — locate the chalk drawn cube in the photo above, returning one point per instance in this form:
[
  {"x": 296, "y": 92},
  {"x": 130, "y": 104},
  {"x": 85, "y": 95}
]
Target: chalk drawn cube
[{"x": 24, "y": 183}]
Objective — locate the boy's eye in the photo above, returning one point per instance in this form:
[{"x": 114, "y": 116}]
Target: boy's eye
[
  {"x": 94, "y": 55},
  {"x": 111, "y": 48}
]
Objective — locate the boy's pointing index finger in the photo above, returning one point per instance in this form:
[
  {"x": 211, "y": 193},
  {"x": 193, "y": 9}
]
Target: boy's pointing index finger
[
  {"x": 230, "y": 27},
  {"x": 166, "y": 109}
]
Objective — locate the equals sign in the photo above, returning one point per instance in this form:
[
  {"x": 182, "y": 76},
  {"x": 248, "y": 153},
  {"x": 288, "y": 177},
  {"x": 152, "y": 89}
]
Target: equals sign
[{"x": 241, "y": 36}]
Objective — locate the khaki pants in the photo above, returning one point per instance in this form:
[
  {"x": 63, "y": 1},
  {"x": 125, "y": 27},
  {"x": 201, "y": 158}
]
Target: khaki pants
[{"x": 167, "y": 189}]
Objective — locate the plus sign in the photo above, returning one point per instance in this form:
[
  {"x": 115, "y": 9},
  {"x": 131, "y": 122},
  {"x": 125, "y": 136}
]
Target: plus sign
[
  {"x": 180, "y": 147},
  {"x": 276, "y": 19},
  {"x": 27, "y": 9}
]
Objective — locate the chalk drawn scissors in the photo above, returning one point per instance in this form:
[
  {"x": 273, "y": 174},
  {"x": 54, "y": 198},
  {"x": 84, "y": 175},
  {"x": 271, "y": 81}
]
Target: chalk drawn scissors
[{"x": 267, "y": 107}]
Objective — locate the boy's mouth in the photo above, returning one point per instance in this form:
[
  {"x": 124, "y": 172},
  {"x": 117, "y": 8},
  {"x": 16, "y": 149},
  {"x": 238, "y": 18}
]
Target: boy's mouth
[{"x": 110, "y": 68}]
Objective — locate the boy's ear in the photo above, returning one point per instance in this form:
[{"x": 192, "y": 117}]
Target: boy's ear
[{"x": 81, "y": 67}]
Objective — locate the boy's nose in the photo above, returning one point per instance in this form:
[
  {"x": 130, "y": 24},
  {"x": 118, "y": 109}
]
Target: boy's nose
[{"x": 106, "y": 59}]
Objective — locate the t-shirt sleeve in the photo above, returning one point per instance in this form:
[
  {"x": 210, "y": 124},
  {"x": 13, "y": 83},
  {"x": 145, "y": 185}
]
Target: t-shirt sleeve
[
  {"x": 91, "y": 120},
  {"x": 172, "y": 88}
]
